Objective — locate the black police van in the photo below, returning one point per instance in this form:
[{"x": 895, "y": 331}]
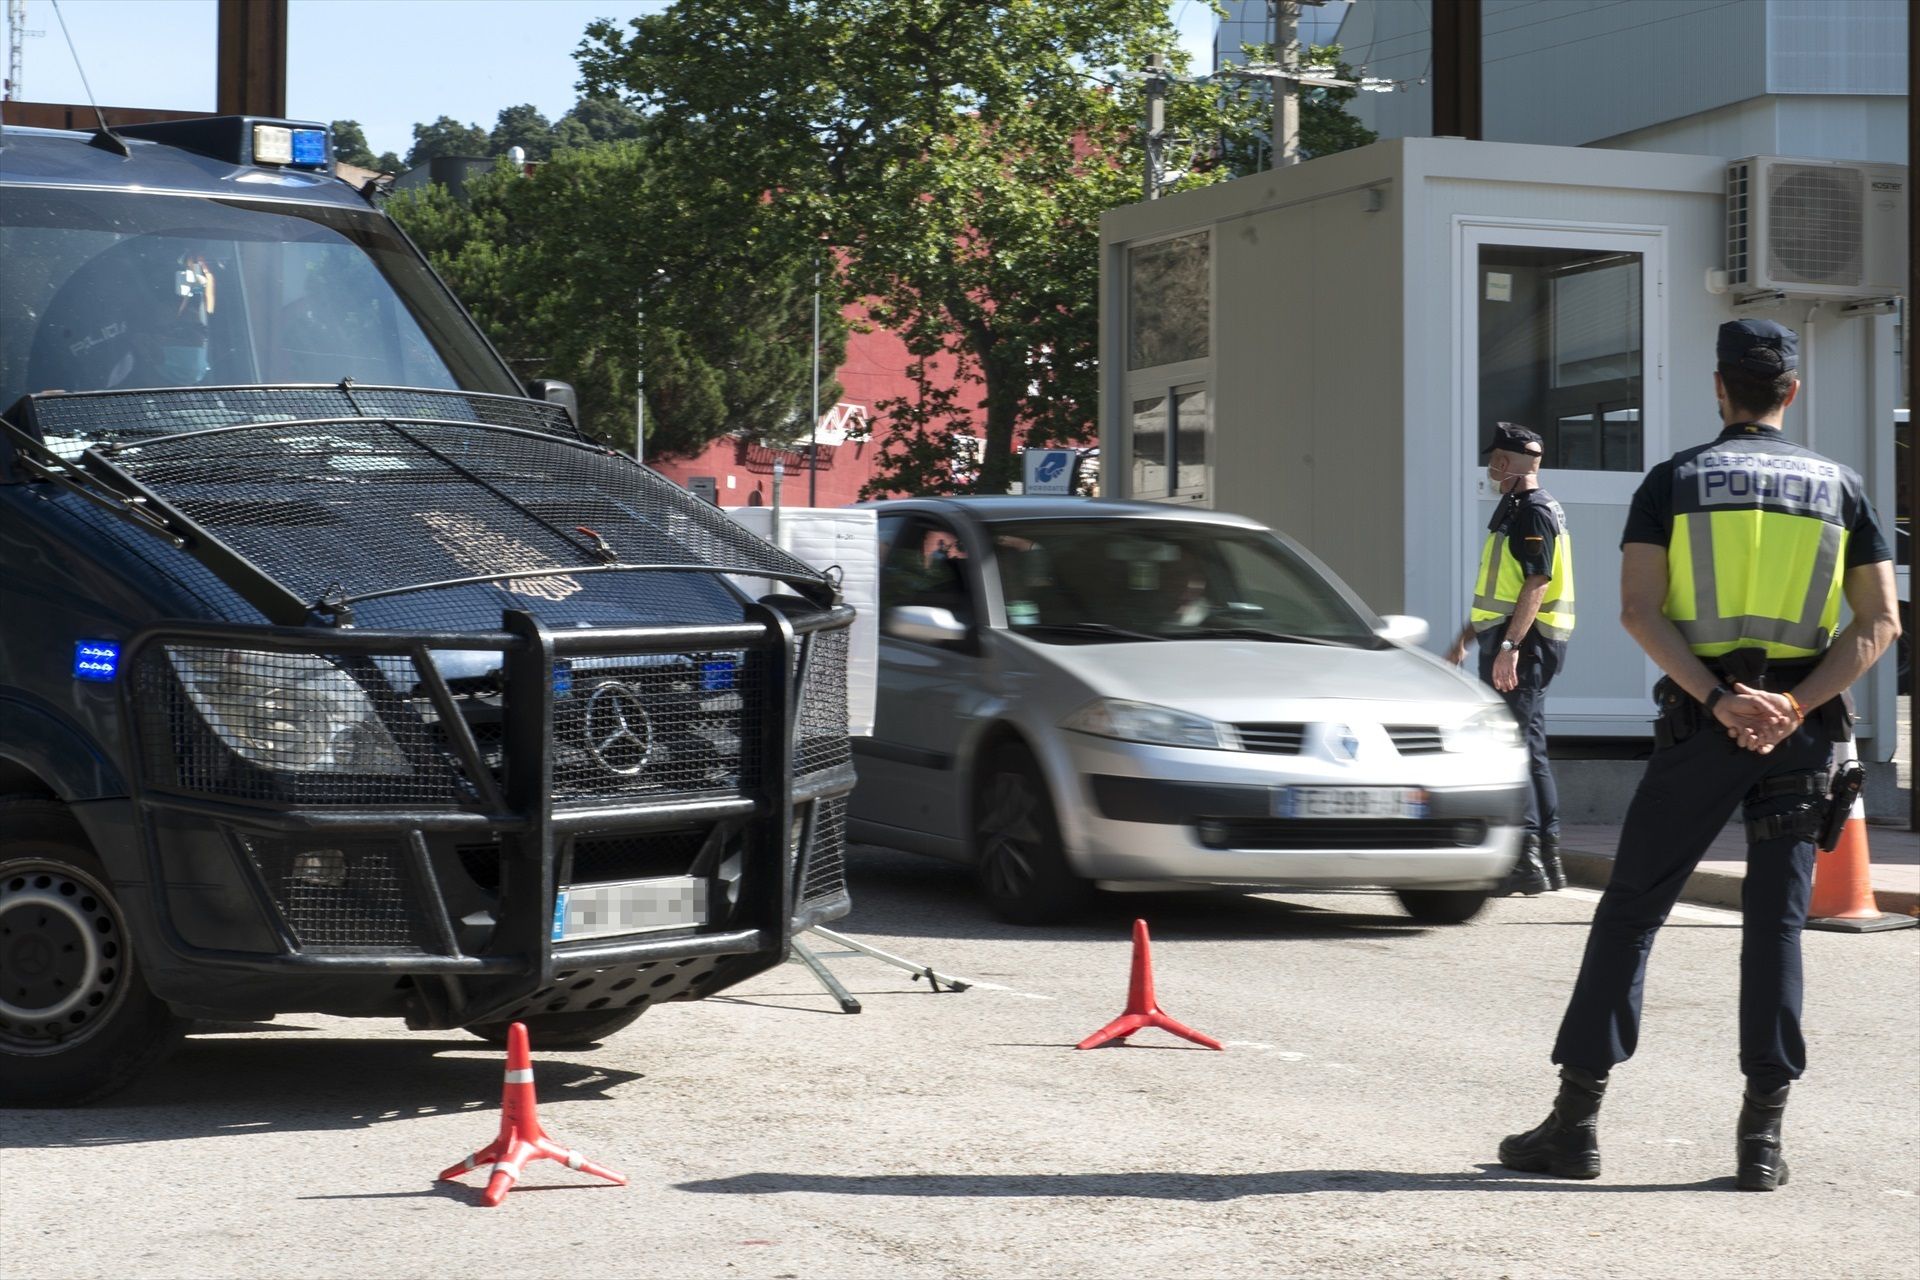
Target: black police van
[{"x": 340, "y": 674}]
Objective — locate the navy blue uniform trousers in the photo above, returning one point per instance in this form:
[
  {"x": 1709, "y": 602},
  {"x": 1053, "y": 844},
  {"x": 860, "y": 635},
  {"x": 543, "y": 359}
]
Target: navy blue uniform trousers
[
  {"x": 1540, "y": 660},
  {"x": 1689, "y": 792}
]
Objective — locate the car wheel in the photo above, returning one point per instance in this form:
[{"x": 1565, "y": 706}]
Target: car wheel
[
  {"x": 1022, "y": 868},
  {"x": 1442, "y": 906},
  {"x": 77, "y": 1020},
  {"x": 563, "y": 1030}
]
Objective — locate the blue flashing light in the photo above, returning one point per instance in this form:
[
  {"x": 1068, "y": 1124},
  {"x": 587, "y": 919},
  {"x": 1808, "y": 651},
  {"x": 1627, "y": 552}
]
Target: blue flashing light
[
  {"x": 310, "y": 147},
  {"x": 562, "y": 680},
  {"x": 96, "y": 659},
  {"x": 716, "y": 676}
]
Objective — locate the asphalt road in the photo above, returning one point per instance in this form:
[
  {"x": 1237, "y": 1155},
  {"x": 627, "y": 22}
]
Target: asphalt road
[{"x": 1348, "y": 1130}]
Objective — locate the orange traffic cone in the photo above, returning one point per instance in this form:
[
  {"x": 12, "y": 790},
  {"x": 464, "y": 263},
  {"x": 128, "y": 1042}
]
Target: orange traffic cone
[
  {"x": 1843, "y": 899},
  {"x": 1142, "y": 1009},
  {"x": 521, "y": 1139}
]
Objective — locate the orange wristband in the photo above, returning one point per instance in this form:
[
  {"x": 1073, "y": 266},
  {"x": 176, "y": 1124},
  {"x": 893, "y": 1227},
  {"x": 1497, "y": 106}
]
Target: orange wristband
[{"x": 1799, "y": 712}]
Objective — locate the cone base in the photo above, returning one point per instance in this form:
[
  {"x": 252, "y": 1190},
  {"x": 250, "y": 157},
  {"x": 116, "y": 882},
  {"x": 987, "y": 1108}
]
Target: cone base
[{"x": 1877, "y": 923}]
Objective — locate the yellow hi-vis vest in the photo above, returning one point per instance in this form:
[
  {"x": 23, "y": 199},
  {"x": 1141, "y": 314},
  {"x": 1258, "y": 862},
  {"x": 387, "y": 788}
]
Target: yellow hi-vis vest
[
  {"x": 1757, "y": 547},
  {"x": 1498, "y": 584}
]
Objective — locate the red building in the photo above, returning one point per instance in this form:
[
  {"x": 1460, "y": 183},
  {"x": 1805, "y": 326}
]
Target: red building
[{"x": 852, "y": 436}]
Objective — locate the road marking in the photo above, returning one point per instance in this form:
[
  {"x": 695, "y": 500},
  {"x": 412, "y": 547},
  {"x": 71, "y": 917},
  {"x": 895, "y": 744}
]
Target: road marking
[
  {"x": 1285, "y": 1055},
  {"x": 1893, "y": 1191},
  {"x": 1719, "y": 915}
]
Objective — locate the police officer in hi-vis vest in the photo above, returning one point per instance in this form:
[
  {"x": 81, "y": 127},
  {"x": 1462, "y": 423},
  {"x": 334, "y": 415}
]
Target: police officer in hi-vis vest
[
  {"x": 1523, "y": 615},
  {"x": 1734, "y": 560}
]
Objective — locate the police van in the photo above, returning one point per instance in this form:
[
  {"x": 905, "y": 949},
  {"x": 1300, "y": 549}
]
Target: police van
[{"x": 339, "y": 671}]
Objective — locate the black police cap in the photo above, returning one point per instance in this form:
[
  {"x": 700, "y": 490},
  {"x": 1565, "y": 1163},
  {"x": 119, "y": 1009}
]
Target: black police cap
[
  {"x": 1514, "y": 439},
  {"x": 1764, "y": 348}
]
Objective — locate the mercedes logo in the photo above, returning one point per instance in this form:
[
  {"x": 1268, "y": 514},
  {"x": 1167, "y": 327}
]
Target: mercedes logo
[{"x": 619, "y": 731}]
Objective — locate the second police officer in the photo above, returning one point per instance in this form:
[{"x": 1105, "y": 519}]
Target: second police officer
[{"x": 1734, "y": 561}]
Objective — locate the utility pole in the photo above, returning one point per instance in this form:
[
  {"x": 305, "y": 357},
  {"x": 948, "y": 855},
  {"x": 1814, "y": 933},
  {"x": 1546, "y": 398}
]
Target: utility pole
[
  {"x": 1156, "y": 122},
  {"x": 1286, "y": 91}
]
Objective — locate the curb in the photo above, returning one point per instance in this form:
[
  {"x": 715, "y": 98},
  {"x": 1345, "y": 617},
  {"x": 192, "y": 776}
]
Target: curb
[{"x": 1709, "y": 888}]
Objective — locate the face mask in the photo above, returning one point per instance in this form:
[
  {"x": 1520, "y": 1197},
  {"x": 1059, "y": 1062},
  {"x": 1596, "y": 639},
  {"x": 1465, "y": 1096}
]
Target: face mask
[{"x": 184, "y": 366}]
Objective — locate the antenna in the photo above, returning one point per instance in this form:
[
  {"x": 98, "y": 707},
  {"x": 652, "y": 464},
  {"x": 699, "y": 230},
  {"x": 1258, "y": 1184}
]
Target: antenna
[
  {"x": 106, "y": 139},
  {"x": 17, "y": 36}
]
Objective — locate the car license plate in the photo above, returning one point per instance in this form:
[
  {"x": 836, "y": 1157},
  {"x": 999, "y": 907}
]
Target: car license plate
[
  {"x": 1349, "y": 802},
  {"x": 631, "y": 906}
]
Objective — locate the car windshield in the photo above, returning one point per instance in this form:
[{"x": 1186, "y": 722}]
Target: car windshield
[
  {"x": 103, "y": 290},
  {"x": 1070, "y": 581}
]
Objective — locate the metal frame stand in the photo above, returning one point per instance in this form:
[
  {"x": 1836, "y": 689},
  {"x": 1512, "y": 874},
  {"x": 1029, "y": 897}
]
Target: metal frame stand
[{"x": 848, "y": 1004}]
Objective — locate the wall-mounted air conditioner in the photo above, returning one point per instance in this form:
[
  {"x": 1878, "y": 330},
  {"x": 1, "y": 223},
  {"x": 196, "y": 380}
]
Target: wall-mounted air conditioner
[{"x": 1816, "y": 228}]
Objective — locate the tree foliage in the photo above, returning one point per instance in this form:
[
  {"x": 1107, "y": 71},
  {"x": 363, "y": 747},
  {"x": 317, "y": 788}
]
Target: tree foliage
[
  {"x": 1326, "y": 127},
  {"x": 589, "y": 265},
  {"x": 952, "y": 156},
  {"x": 350, "y": 143},
  {"x": 446, "y": 137},
  {"x": 523, "y": 126},
  {"x": 597, "y": 118}
]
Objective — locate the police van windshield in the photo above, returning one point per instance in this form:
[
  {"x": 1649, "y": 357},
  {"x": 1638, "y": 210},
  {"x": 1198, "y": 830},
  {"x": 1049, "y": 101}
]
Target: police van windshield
[{"x": 110, "y": 290}]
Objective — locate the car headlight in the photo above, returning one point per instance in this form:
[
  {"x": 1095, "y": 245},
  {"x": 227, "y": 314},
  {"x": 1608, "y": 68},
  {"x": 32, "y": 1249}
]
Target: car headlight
[
  {"x": 1144, "y": 722},
  {"x": 1491, "y": 728},
  {"x": 291, "y": 713}
]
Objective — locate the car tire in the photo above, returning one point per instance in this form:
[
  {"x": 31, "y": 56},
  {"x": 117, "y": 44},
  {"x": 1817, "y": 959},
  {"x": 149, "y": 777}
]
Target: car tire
[
  {"x": 77, "y": 1020},
  {"x": 1021, "y": 865},
  {"x": 563, "y": 1030},
  {"x": 1442, "y": 906}
]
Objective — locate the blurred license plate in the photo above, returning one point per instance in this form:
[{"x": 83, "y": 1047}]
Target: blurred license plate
[
  {"x": 632, "y": 906},
  {"x": 1349, "y": 802}
]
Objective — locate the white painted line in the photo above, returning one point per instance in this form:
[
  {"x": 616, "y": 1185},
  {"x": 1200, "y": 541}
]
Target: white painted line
[{"x": 1719, "y": 915}]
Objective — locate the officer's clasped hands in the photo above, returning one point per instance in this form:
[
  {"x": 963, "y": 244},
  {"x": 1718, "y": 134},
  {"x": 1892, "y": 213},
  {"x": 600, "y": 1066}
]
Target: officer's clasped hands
[{"x": 1755, "y": 719}]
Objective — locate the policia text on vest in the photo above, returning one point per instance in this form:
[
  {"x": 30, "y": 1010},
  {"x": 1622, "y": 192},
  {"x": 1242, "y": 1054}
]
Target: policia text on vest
[{"x": 1734, "y": 561}]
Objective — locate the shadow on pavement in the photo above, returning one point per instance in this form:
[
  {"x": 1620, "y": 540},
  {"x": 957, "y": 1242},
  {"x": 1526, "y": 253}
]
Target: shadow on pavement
[
  {"x": 218, "y": 1085},
  {"x": 1204, "y": 1187},
  {"x": 908, "y": 895}
]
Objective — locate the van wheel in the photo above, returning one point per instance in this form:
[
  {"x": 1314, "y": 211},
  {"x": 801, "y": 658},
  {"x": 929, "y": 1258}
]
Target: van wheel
[
  {"x": 1022, "y": 868},
  {"x": 562, "y": 1030},
  {"x": 77, "y": 1020},
  {"x": 1442, "y": 906}
]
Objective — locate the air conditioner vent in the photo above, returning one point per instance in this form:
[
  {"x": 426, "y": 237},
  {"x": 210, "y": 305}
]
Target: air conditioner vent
[
  {"x": 1818, "y": 229},
  {"x": 1815, "y": 215}
]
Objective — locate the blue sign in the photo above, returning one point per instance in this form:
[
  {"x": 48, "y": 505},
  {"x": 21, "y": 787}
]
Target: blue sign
[
  {"x": 1049, "y": 471},
  {"x": 96, "y": 659}
]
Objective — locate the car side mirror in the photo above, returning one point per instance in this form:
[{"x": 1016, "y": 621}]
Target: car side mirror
[
  {"x": 554, "y": 391},
  {"x": 927, "y": 624},
  {"x": 1401, "y": 628}
]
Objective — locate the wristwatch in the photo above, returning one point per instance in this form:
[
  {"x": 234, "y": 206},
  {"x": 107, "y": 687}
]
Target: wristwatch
[
  {"x": 1714, "y": 695},
  {"x": 1508, "y": 646}
]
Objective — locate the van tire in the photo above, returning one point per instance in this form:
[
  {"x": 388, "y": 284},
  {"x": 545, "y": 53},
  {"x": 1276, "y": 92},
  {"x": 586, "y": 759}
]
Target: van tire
[
  {"x": 77, "y": 1019},
  {"x": 1442, "y": 906}
]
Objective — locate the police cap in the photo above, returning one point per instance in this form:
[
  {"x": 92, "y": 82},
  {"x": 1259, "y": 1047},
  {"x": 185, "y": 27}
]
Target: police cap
[
  {"x": 1514, "y": 439},
  {"x": 1763, "y": 348}
]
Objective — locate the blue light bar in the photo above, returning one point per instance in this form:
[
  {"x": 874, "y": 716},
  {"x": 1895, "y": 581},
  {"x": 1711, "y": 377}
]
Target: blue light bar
[
  {"x": 562, "y": 679},
  {"x": 96, "y": 659},
  {"x": 310, "y": 147},
  {"x": 716, "y": 676}
]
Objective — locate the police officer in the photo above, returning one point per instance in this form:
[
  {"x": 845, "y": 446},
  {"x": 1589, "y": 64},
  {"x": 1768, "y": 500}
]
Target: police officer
[
  {"x": 1523, "y": 617},
  {"x": 1734, "y": 560}
]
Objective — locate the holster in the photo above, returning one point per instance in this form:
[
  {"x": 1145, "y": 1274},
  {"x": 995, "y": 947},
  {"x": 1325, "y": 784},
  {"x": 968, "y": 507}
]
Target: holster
[{"x": 1680, "y": 716}]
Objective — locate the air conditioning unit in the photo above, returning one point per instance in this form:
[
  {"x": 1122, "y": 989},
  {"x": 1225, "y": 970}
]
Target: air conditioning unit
[{"x": 1819, "y": 229}]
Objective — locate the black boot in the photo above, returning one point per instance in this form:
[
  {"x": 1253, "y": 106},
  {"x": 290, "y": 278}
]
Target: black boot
[
  {"x": 1529, "y": 875},
  {"x": 1567, "y": 1143},
  {"x": 1550, "y": 862},
  {"x": 1762, "y": 1166}
]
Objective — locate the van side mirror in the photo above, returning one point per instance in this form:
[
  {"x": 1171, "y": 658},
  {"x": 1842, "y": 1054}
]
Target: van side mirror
[
  {"x": 926, "y": 624},
  {"x": 554, "y": 391},
  {"x": 1401, "y": 628}
]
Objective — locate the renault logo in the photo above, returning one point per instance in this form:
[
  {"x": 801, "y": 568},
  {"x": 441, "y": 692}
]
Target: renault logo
[
  {"x": 1342, "y": 742},
  {"x": 619, "y": 731}
]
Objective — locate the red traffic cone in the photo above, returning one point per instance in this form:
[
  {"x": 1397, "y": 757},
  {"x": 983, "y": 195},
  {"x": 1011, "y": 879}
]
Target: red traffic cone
[
  {"x": 1843, "y": 900},
  {"x": 521, "y": 1139},
  {"x": 1142, "y": 1009}
]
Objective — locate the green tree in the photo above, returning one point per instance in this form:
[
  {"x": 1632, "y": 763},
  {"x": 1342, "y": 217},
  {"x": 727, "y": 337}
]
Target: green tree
[
  {"x": 1326, "y": 127},
  {"x": 525, "y": 127},
  {"x": 446, "y": 137},
  {"x": 597, "y": 118},
  {"x": 388, "y": 162},
  {"x": 350, "y": 143},
  {"x": 588, "y": 266},
  {"x": 951, "y": 157}
]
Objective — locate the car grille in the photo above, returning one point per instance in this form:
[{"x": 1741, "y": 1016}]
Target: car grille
[
  {"x": 1344, "y": 833},
  {"x": 341, "y": 895},
  {"x": 1416, "y": 739},
  {"x": 1273, "y": 739},
  {"x": 664, "y": 723}
]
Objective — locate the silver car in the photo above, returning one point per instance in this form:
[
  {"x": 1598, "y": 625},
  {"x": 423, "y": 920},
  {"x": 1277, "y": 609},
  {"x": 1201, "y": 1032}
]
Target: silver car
[{"x": 1086, "y": 694}]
